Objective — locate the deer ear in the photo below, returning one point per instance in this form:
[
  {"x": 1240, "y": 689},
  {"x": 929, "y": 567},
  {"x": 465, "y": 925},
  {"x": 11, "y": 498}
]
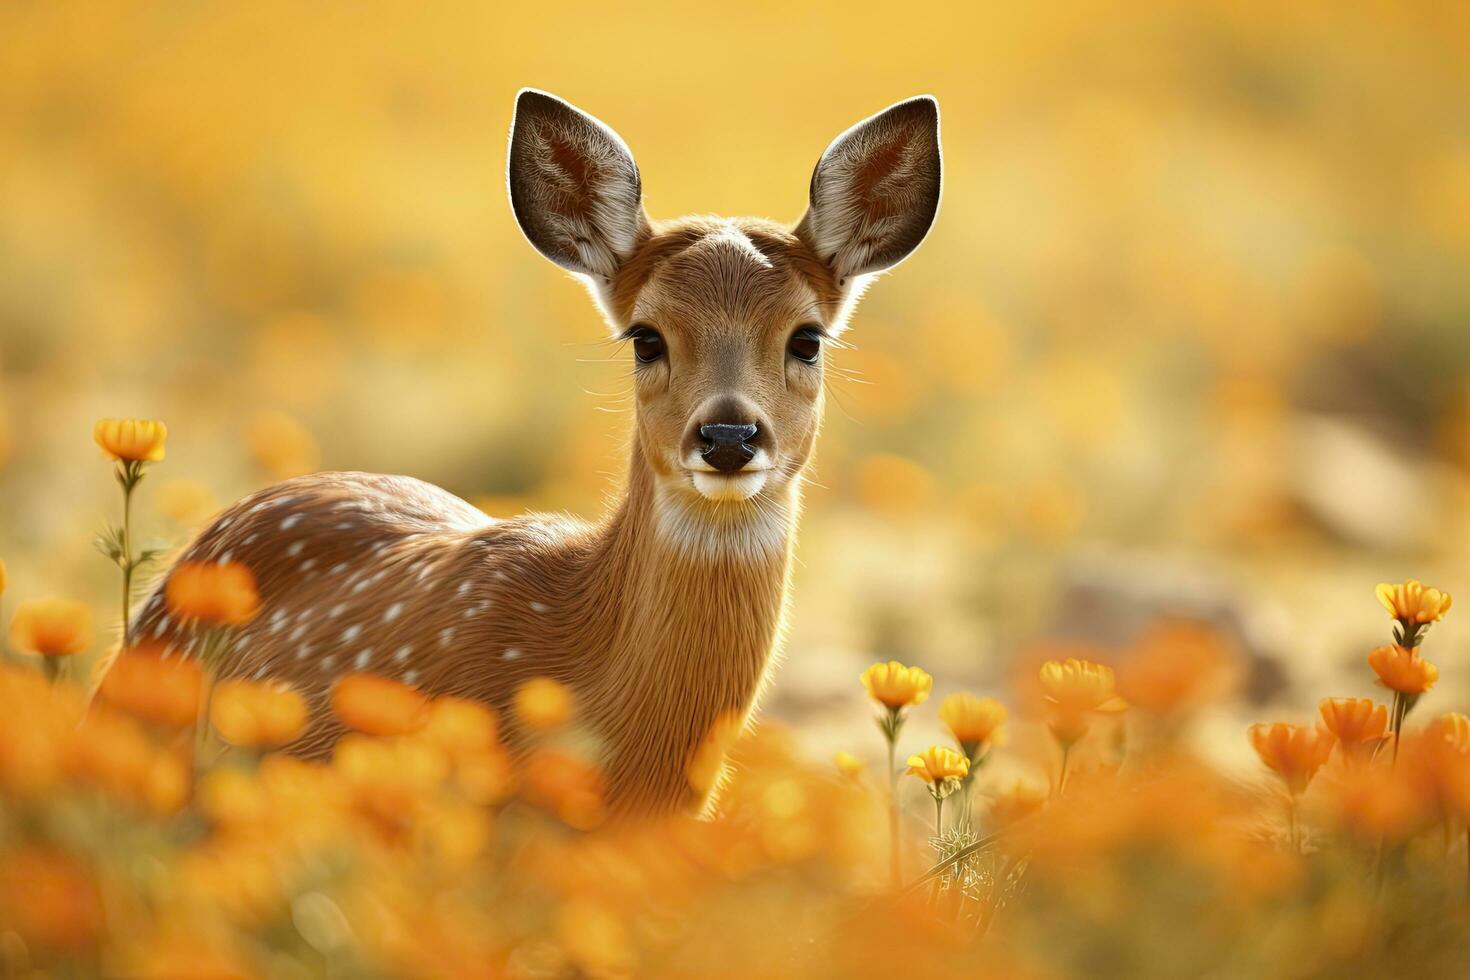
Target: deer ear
[
  {"x": 574, "y": 187},
  {"x": 876, "y": 190}
]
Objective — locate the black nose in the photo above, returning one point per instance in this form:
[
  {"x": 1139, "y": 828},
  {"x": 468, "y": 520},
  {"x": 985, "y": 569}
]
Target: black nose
[{"x": 727, "y": 447}]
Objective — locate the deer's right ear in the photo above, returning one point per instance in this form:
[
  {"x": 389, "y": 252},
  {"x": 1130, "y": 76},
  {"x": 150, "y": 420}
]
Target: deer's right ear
[{"x": 574, "y": 187}]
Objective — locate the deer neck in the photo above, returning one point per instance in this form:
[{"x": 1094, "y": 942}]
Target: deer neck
[{"x": 697, "y": 591}]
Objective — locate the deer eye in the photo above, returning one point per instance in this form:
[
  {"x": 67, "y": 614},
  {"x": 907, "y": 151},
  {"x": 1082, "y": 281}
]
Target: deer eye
[
  {"x": 805, "y": 344},
  {"x": 648, "y": 346}
]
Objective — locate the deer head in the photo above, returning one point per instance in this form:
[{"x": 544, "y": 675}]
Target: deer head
[{"x": 728, "y": 319}]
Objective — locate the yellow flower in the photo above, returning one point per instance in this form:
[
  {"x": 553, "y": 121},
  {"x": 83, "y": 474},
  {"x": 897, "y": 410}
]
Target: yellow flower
[
  {"x": 1413, "y": 603},
  {"x": 1293, "y": 752},
  {"x": 1357, "y": 723},
  {"x": 1402, "y": 669},
  {"x": 974, "y": 722},
  {"x": 378, "y": 705},
  {"x": 257, "y": 715},
  {"x": 157, "y": 689},
  {"x": 542, "y": 703},
  {"x": 849, "y": 765},
  {"x": 51, "y": 627},
  {"x": 1074, "y": 690},
  {"x": 212, "y": 594},
  {"x": 896, "y": 686},
  {"x": 131, "y": 440},
  {"x": 938, "y": 764}
]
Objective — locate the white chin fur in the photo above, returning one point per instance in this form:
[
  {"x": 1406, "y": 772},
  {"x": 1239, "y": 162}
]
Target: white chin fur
[{"x": 732, "y": 486}]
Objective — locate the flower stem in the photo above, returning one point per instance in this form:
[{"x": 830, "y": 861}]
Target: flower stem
[
  {"x": 895, "y": 858},
  {"x": 938, "y": 816},
  {"x": 1062, "y": 775},
  {"x": 51, "y": 667},
  {"x": 127, "y": 553},
  {"x": 1396, "y": 722}
]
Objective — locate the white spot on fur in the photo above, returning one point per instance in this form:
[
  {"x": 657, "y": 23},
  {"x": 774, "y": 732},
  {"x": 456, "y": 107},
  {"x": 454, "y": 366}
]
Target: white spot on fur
[
  {"x": 338, "y": 568},
  {"x": 351, "y": 633},
  {"x": 297, "y": 633},
  {"x": 302, "y": 653},
  {"x": 161, "y": 627},
  {"x": 410, "y": 676},
  {"x": 464, "y": 588},
  {"x": 539, "y": 607},
  {"x": 308, "y": 565},
  {"x": 337, "y": 610},
  {"x": 364, "y": 658},
  {"x": 403, "y": 653},
  {"x": 327, "y": 661},
  {"x": 224, "y": 559},
  {"x": 392, "y": 612},
  {"x": 289, "y": 522},
  {"x": 511, "y": 653},
  {"x": 296, "y": 548},
  {"x": 446, "y": 636}
]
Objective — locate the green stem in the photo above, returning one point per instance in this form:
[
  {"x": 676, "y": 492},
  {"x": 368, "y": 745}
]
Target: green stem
[
  {"x": 1296, "y": 842},
  {"x": 127, "y": 557},
  {"x": 1062, "y": 776},
  {"x": 51, "y": 667},
  {"x": 1396, "y": 723},
  {"x": 895, "y": 858},
  {"x": 938, "y": 816}
]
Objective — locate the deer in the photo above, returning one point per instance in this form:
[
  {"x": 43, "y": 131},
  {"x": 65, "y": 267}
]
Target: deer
[{"x": 662, "y": 618}]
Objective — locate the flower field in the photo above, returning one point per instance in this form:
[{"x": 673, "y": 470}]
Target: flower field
[
  {"x": 154, "y": 826},
  {"x": 1083, "y": 670}
]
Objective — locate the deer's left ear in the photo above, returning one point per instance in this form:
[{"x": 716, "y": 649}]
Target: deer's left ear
[
  {"x": 574, "y": 187},
  {"x": 875, "y": 191}
]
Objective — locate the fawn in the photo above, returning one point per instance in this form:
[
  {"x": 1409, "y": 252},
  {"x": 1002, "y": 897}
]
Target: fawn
[{"x": 662, "y": 618}]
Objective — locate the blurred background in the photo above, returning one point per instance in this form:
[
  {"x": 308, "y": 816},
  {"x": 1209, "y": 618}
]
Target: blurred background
[{"x": 1190, "y": 339}]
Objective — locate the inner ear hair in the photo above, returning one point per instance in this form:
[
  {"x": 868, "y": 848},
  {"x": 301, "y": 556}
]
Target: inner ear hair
[
  {"x": 574, "y": 187},
  {"x": 875, "y": 191}
]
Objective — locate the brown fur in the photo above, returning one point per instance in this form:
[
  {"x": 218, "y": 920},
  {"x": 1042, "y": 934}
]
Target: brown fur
[{"x": 662, "y": 618}]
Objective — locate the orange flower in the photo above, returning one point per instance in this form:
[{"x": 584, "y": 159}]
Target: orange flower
[
  {"x": 3, "y": 579},
  {"x": 896, "y": 686},
  {"x": 542, "y": 703},
  {"x": 51, "y": 627},
  {"x": 377, "y": 705},
  {"x": 1175, "y": 665},
  {"x": 212, "y": 594},
  {"x": 1016, "y": 803},
  {"x": 1452, "y": 728},
  {"x": 458, "y": 726},
  {"x": 145, "y": 684},
  {"x": 974, "y": 722},
  {"x": 258, "y": 715},
  {"x": 1074, "y": 690},
  {"x": 131, "y": 440},
  {"x": 50, "y": 899},
  {"x": 1412, "y": 603},
  {"x": 567, "y": 785},
  {"x": 1293, "y": 752},
  {"x": 1402, "y": 669},
  {"x": 1358, "y": 724}
]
